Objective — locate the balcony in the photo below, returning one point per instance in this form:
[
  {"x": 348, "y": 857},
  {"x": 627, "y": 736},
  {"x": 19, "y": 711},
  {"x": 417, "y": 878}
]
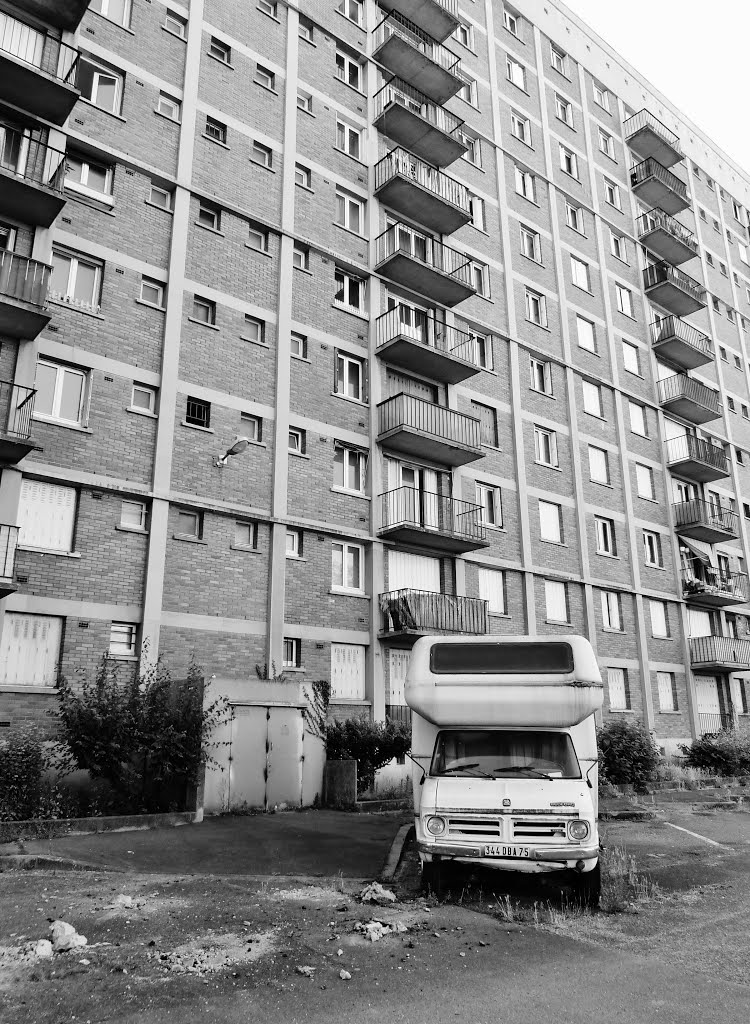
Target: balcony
[
  {"x": 32, "y": 178},
  {"x": 423, "y": 265},
  {"x": 409, "y": 338},
  {"x": 409, "y": 118},
  {"x": 719, "y": 721},
  {"x": 438, "y": 18},
  {"x": 648, "y": 137},
  {"x": 695, "y": 459},
  {"x": 422, "y": 193},
  {"x": 683, "y": 396},
  {"x": 674, "y": 291},
  {"x": 8, "y": 545},
  {"x": 417, "y": 59},
  {"x": 721, "y": 653},
  {"x": 421, "y": 429},
  {"x": 65, "y": 14},
  {"x": 666, "y": 237},
  {"x": 37, "y": 72},
  {"x": 654, "y": 185},
  {"x": 413, "y": 516},
  {"x": 16, "y": 409},
  {"x": 703, "y": 521},
  {"x": 23, "y": 294},
  {"x": 681, "y": 343},
  {"x": 707, "y": 586},
  {"x": 408, "y": 614}
]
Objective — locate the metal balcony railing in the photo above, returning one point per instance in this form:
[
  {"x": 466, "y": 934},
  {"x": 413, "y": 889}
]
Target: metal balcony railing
[
  {"x": 398, "y": 713},
  {"x": 399, "y": 239},
  {"x": 426, "y": 330},
  {"x": 397, "y": 91},
  {"x": 46, "y": 53},
  {"x": 691, "y": 447},
  {"x": 651, "y": 168},
  {"x": 18, "y": 403},
  {"x": 679, "y": 385},
  {"x": 707, "y": 579},
  {"x": 407, "y": 411},
  {"x": 719, "y": 721},
  {"x": 23, "y": 279},
  {"x": 410, "y": 506},
  {"x": 8, "y": 546},
  {"x": 645, "y": 119},
  {"x": 395, "y": 24},
  {"x": 32, "y": 160},
  {"x": 399, "y": 162},
  {"x": 648, "y": 222},
  {"x": 719, "y": 650},
  {"x": 674, "y": 327},
  {"x": 664, "y": 273},
  {"x": 697, "y": 511},
  {"x": 420, "y": 611}
]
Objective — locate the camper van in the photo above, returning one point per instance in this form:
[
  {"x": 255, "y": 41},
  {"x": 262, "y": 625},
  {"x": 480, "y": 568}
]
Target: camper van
[{"x": 505, "y": 760}]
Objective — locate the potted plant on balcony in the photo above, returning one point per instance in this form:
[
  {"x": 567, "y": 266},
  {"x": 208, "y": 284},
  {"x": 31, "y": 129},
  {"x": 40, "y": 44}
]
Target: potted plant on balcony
[{"x": 693, "y": 586}]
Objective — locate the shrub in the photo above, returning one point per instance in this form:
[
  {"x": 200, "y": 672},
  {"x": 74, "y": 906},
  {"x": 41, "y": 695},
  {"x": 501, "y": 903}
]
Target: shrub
[
  {"x": 723, "y": 753},
  {"x": 627, "y": 753},
  {"x": 27, "y": 789},
  {"x": 371, "y": 744}
]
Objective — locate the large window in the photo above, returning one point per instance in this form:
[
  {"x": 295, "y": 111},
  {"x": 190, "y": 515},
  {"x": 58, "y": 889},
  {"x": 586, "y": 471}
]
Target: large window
[
  {"x": 348, "y": 138},
  {"x": 350, "y": 291},
  {"x": 116, "y": 10},
  {"x": 61, "y": 392},
  {"x": 489, "y": 498},
  {"x": 667, "y": 688},
  {"x": 100, "y": 84},
  {"x": 30, "y": 649},
  {"x": 87, "y": 175},
  {"x": 619, "y": 691},
  {"x": 46, "y": 515},
  {"x": 349, "y": 469},
  {"x": 611, "y": 613},
  {"x": 76, "y": 279},
  {"x": 350, "y": 376},
  {"x": 350, "y": 211},
  {"x": 604, "y": 530},
  {"x": 550, "y": 521},
  {"x": 349, "y": 69},
  {"x": 545, "y": 446},
  {"x": 592, "y": 398},
  {"x": 556, "y": 601},
  {"x": 659, "y": 618},
  {"x": 347, "y": 567},
  {"x": 492, "y": 590}
]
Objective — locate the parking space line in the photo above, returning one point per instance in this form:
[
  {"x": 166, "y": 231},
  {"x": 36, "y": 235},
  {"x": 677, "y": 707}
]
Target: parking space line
[{"x": 696, "y": 835}]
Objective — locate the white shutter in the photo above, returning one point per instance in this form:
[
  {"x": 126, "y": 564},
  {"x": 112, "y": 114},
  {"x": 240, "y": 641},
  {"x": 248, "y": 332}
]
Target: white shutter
[
  {"x": 347, "y": 672},
  {"x": 491, "y": 589},
  {"x": 46, "y": 515},
  {"x": 415, "y": 572},
  {"x": 398, "y": 664},
  {"x": 699, "y": 622},
  {"x": 30, "y": 649},
  {"x": 618, "y": 694},
  {"x": 21, "y": 40},
  {"x": 707, "y": 695},
  {"x": 673, "y": 429},
  {"x": 658, "y": 618},
  {"x": 549, "y": 521},
  {"x": 557, "y": 606},
  {"x": 666, "y": 692}
]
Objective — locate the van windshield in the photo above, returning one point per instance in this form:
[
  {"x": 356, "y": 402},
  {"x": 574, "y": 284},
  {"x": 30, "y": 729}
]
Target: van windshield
[{"x": 495, "y": 754}]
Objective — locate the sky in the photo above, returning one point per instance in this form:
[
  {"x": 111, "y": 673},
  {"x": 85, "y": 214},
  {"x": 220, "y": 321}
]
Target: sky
[{"x": 696, "y": 53}]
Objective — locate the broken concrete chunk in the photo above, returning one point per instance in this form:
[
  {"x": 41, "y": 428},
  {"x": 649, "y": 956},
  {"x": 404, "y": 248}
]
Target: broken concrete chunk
[
  {"x": 42, "y": 949},
  {"x": 345, "y": 975},
  {"x": 306, "y": 971},
  {"x": 64, "y": 936},
  {"x": 124, "y": 901},
  {"x": 375, "y": 893}
]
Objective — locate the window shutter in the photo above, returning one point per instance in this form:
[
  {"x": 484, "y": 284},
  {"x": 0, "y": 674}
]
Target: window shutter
[
  {"x": 492, "y": 589},
  {"x": 618, "y": 689},
  {"x": 46, "y": 515},
  {"x": 336, "y": 372},
  {"x": 365, "y": 380}
]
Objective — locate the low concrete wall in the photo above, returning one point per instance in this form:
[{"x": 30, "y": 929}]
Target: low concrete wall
[
  {"x": 38, "y": 828},
  {"x": 340, "y": 784}
]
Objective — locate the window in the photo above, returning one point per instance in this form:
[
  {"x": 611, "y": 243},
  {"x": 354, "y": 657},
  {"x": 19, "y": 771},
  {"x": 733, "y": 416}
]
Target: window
[
  {"x": 265, "y": 77},
  {"x": 611, "y": 612},
  {"x": 300, "y": 258},
  {"x": 306, "y": 29},
  {"x": 510, "y": 21},
  {"x": 297, "y": 441},
  {"x": 350, "y": 377},
  {"x": 262, "y": 155},
  {"x": 468, "y": 91},
  {"x": 612, "y": 194},
  {"x": 122, "y": 638},
  {"x": 730, "y": 315},
  {"x": 209, "y": 216},
  {"x": 189, "y": 524},
  {"x": 606, "y": 143},
  {"x": 667, "y": 688},
  {"x": 169, "y": 106},
  {"x": 349, "y": 469},
  {"x": 624, "y": 300},
  {"x": 487, "y": 416},
  {"x": 601, "y": 96},
  {"x": 160, "y": 197},
  {"x": 531, "y": 244},
  {"x": 541, "y": 376},
  {"x": 476, "y": 208},
  {"x": 349, "y": 69},
  {"x": 61, "y": 392},
  {"x": 652, "y": 549},
  {"x": 545, "y": 447},
  {"x": 631, "y": 358},
  {"x": 257, "y": 239},
  {"x": 293, "y": 543},
  {"x": 298, "y": 345},
  {"x": 304, "y": 101},
  {"x": 536, "y": 308},
  {"x": 46, "y": 515},
  {"x": 85, "y": 175},
  {"x": 568, "y": 161},
  {"x": 520, "y": 126},
  {"x": 100, "y": 84},
  {"x": 709, "y": 259},
  {"x": 7, "y": 237},
  {"x": 220, "y": 50},
  {"x": 267, "y": 7},
  {"x": 245, "y": 535},
  {"x": 348, "y": 138},
  {"x": 516, "y": 73},
  {"x": 737, "y": 211},
  {"x": 479, "y": 277},
  {"x": 644, "y": 481},
  {"x": 574, "y": 217},
  {"x": 143, "y": 398},
  {"x": 525, "y": 184},
  {"x": 75, "y": 279},
  {"x": 723, "y": 354},
  {"x": 659, "y": 619},
  {"x": 152, "y": 292},
  {"x": 133, "y": 515},
  {"x": 115, "y": 10},
  {"x": 744, "y": 708},
  {"x": 730, "y": 404},
  {"x": 215, "y": 130},
  {"x": 592, "y": 398},
  {"x": 251, "y": 427},
  {"x": 723, "y": 268},
  {"x": 619, "y": 691},
  {"x": 586, "y": 334},
  {"x": 737, "y": 454},
  {"x": 347, "y": 566},
  {"x": 482, "y": 347},
  {"x": 350, "y": 291},
  {"x": 350, "y": 211},
  {"x": 558, "y": 60},
  {"x": 556, "y": 601},
  {"x": 564, "y": 109},
  {"x": 702, "y": 214},
  {"x": 473, "y": 152},
  {"x": 492, "y": 590},
  {"x": 489, "y": 498},
  {"x": 550, "y": 522},
  {"x": 580, "y": 273},
  {"x": 638, "y": 420},
  {"x": 745, "y": 412},
  {"x": 618, "y": 246},
  {"x": 464, "y": 34},
  {"x": 354, "y": 10},
  {"x": 175, "y": 24},
  {"x": 198, "y": 413},
  {"x": 292, "y": 654},
  {"x": 204, "y": 310},
  {"x": 604, "y": 530},
  {"x": 598, "y": 465}
]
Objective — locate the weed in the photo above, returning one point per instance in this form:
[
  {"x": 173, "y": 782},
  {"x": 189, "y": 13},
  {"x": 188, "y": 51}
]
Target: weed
[{"x": 507, "y": 910}]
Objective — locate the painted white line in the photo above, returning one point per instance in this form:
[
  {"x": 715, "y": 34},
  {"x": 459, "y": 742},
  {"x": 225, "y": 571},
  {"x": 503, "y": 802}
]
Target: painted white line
[{"x": 695, "y": 835}]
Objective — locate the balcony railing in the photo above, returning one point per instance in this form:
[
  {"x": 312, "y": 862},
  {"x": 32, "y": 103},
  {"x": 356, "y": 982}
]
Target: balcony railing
[
  {"x": 405, "y": 95},
  {"x": 662, "y": 274},
  {"x": 423, "y": 510},
  {"x": 438, "y": 18},
  {"x": 395, "y": 24},
  {"x": 16, "y": 410},
  {"x": 719, "y": 721},
  {"x": 651, "y": 168},
  {"x": 427, "y": 331},
  {"x": 654, "y": 220},
  {"x": 442, "y": 186},
  {"x": 697, "y": 513},
  {"x": 45, "y": 53},
  {"x": 720, "y": 650},
  {"x": 674, "y": 334},
  {"x": 690, "y": 398},
  {"x": 690, "y": 447},
  {"x": 644, "y": 122},
  {"x": 8, "y": 545},
  {"x": 32, "y": 160},
  {"x": 23, "y": 279},
  {"x": 400, "y": 239},
  {"x": 421, "y": 611},
  {"x": 407, "y": 411},
  {"x": 62, "y": 13},
  {"x": 414, "y": 121},
  {"x": 709, "y": 582}
]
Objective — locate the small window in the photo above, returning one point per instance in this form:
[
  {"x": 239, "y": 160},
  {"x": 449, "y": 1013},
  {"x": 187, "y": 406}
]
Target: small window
[
  {"x": 667, "y": 689},
  {"x": 304, "y": 101},
  {"x": 347, "y": 568},
  {"x": 739, "y": 456},
  {"x": 730, "y": 316},
  {"x": 606, "y": 143},
  {"x": 267, "y": 7},
  {"x": 349, "y": 69},
  {"x": 709, "y": 259},
  {"x": 525, "y": 185},
  {"x": 487, "y": 416},
  {"x": 520, "y": 126},
  {"x": 545, "y": 447},
  {"x": 152, "y": 292},
  {"x": 541, "y": 376},
  {"x": 550, "y": 522},
  {"x": 574, "y": 217},
  {"x": 292, "y": 655},
  {"x": 175, "y": 24},
  {"x": 644, "y": 477},
  {"x": 479, "y": 274},
  {"x": 122, "y": 639},
  {"x": 598, "y": 465},
  {"x": 257, "y": 239},
  {"x": 198, "y": 413},
  {"x": 592, "y": 398},
  {"x": 293, "y": 543},
  {"x": 143, "y": 398},
  {"x": 568, "y": 161},
  {"x": 723, "y": 268},
  {"x": 468, "y": 91},
  {"x": 702, "y": 214},
  {"x": 476, "y": 208},
  {"x": 730, "y": 404},
  {"x": 100, "y": 84},
  {"x": 302, "y": 176},
  {"x": 189, "y": 524},
  {"x": 652, "y": 549},
  {"x": 215, "y": 130},
  {"x": 558, "y": 59},
  {"x": 638, "y": 420},
  {"x": 114, "y": 10},
  {"x": 531, "y": 244},
  {"x": 510, "y": 21},
  {"x": 579, "y": 271},
  {"x": 204, "y": 310},
  {"x": 624, "y": 300},
  {"x": 723, "y": 354},
  {"x": 265, "y": 77},
  {"x": 161, "y": 197},
  {"x": 251, "y": 427},
  {"x": 348, "y": 138},
  {"x": 61, "y": 392},
  {"x": 604, "y": 531},
  {"x": 297, "y": 441},
  {"x": 350, "y": 376},
  {"x": 746, "y": 509},
  {"x": 306, "y": 29},
  {"x": 354, "y": 10},
  {"x": 349, "y": 469},
  {"x": 536, "y": 308},
  {"x": 745, "y": 412},
  {"x": 659, "y": 618},
  {"x": 611, "y": 611},
  {"x": 76, "y": 279},
  {"x": 601, "y": 96},
  {"x": 618, "y": 688},
  {"x": 169, "y": 106},
  {"x": 564, "y": 109},
  {"x": 300, "y": 258},
  {"x": 245, "y": 535},
  {"x": 464, "y": 34},
  {"x": 298, "y": 345},
  {"x": 220, "y": 50},
  {"x": 586, "y": 334},
  {"x": 631, "y": 358},
  {"x": 489, "y": 499},
  {"x": 209, "y": 216},
  {"x": 612, "y": 194},
  {"x": 133, "y": 515},
  {"x": 556, "y": 601},
  {"x": 261, "y": 155},
  {"x": 349, "y": 291},
  {"x": 619, "y": 246},
  {"x": 516, "y": 73},
  {"x": 350, "y": 211}
]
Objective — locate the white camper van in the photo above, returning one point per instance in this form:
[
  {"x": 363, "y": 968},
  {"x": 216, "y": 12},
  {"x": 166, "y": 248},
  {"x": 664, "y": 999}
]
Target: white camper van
[{"x": 504, "y": 746}]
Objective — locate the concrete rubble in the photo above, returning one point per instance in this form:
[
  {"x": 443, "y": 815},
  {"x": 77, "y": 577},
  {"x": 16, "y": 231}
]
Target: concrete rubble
[
  {"x": 65, "y": 937},
  {"x": 375, "y": 893}
]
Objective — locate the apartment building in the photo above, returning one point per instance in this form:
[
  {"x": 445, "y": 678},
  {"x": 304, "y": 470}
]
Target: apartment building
[{"x": 467, "y": 295}]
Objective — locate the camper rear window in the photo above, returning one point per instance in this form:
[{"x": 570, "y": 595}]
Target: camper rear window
[{"x": 495, "y": 658}]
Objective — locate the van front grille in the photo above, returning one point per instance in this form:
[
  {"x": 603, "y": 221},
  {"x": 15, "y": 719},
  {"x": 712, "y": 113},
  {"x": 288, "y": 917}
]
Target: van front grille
[
  {"x": 475, "y": 828},
  {"x": 544, "y": 828}
]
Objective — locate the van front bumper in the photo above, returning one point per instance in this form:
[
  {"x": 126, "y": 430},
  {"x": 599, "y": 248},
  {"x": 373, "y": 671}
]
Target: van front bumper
[{"x": 561, "y": 855}]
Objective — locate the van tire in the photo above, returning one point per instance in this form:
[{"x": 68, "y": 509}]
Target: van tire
[
  {"x": 433, "y": 878},
  {"x": 587, "y": 887}
]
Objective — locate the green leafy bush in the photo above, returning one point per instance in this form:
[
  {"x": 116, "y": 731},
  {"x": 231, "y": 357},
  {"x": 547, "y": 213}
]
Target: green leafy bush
[
  {"x": 627, "y": 753},
  {"x": 371, "y": 744},
  {"x": 723, "y": 753},
  {"x": 27, "y": 787}
]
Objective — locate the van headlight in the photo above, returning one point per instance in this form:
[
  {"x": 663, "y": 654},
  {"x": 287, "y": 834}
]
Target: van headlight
[
  {"x": 578, "y": 831},
  {"x": 435, "y": 825}
]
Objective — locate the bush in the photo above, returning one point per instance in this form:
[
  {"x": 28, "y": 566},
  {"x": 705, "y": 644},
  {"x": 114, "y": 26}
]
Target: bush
[
  {"x": 27, "y": 789},
  {"x": 724, "y": 753},
  {"x": 371, "y": 744},
  {"x": 627, "y": 754}
]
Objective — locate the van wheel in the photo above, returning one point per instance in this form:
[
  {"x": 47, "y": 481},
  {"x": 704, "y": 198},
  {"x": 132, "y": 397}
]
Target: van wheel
[
  {"x": 587, "y": 887},
  {"x": 433, "y": 878}
]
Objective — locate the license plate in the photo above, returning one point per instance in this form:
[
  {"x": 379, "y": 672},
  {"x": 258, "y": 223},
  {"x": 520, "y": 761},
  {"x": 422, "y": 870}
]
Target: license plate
[{"x": 506, "y": 851}]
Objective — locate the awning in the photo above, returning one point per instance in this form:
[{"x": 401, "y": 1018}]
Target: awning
[{"x": 702, "y": 556}]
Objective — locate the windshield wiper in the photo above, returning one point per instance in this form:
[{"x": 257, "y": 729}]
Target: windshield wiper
[
  {"x": 466, "y": 768},
  {"x": 524, "y": 768}
]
